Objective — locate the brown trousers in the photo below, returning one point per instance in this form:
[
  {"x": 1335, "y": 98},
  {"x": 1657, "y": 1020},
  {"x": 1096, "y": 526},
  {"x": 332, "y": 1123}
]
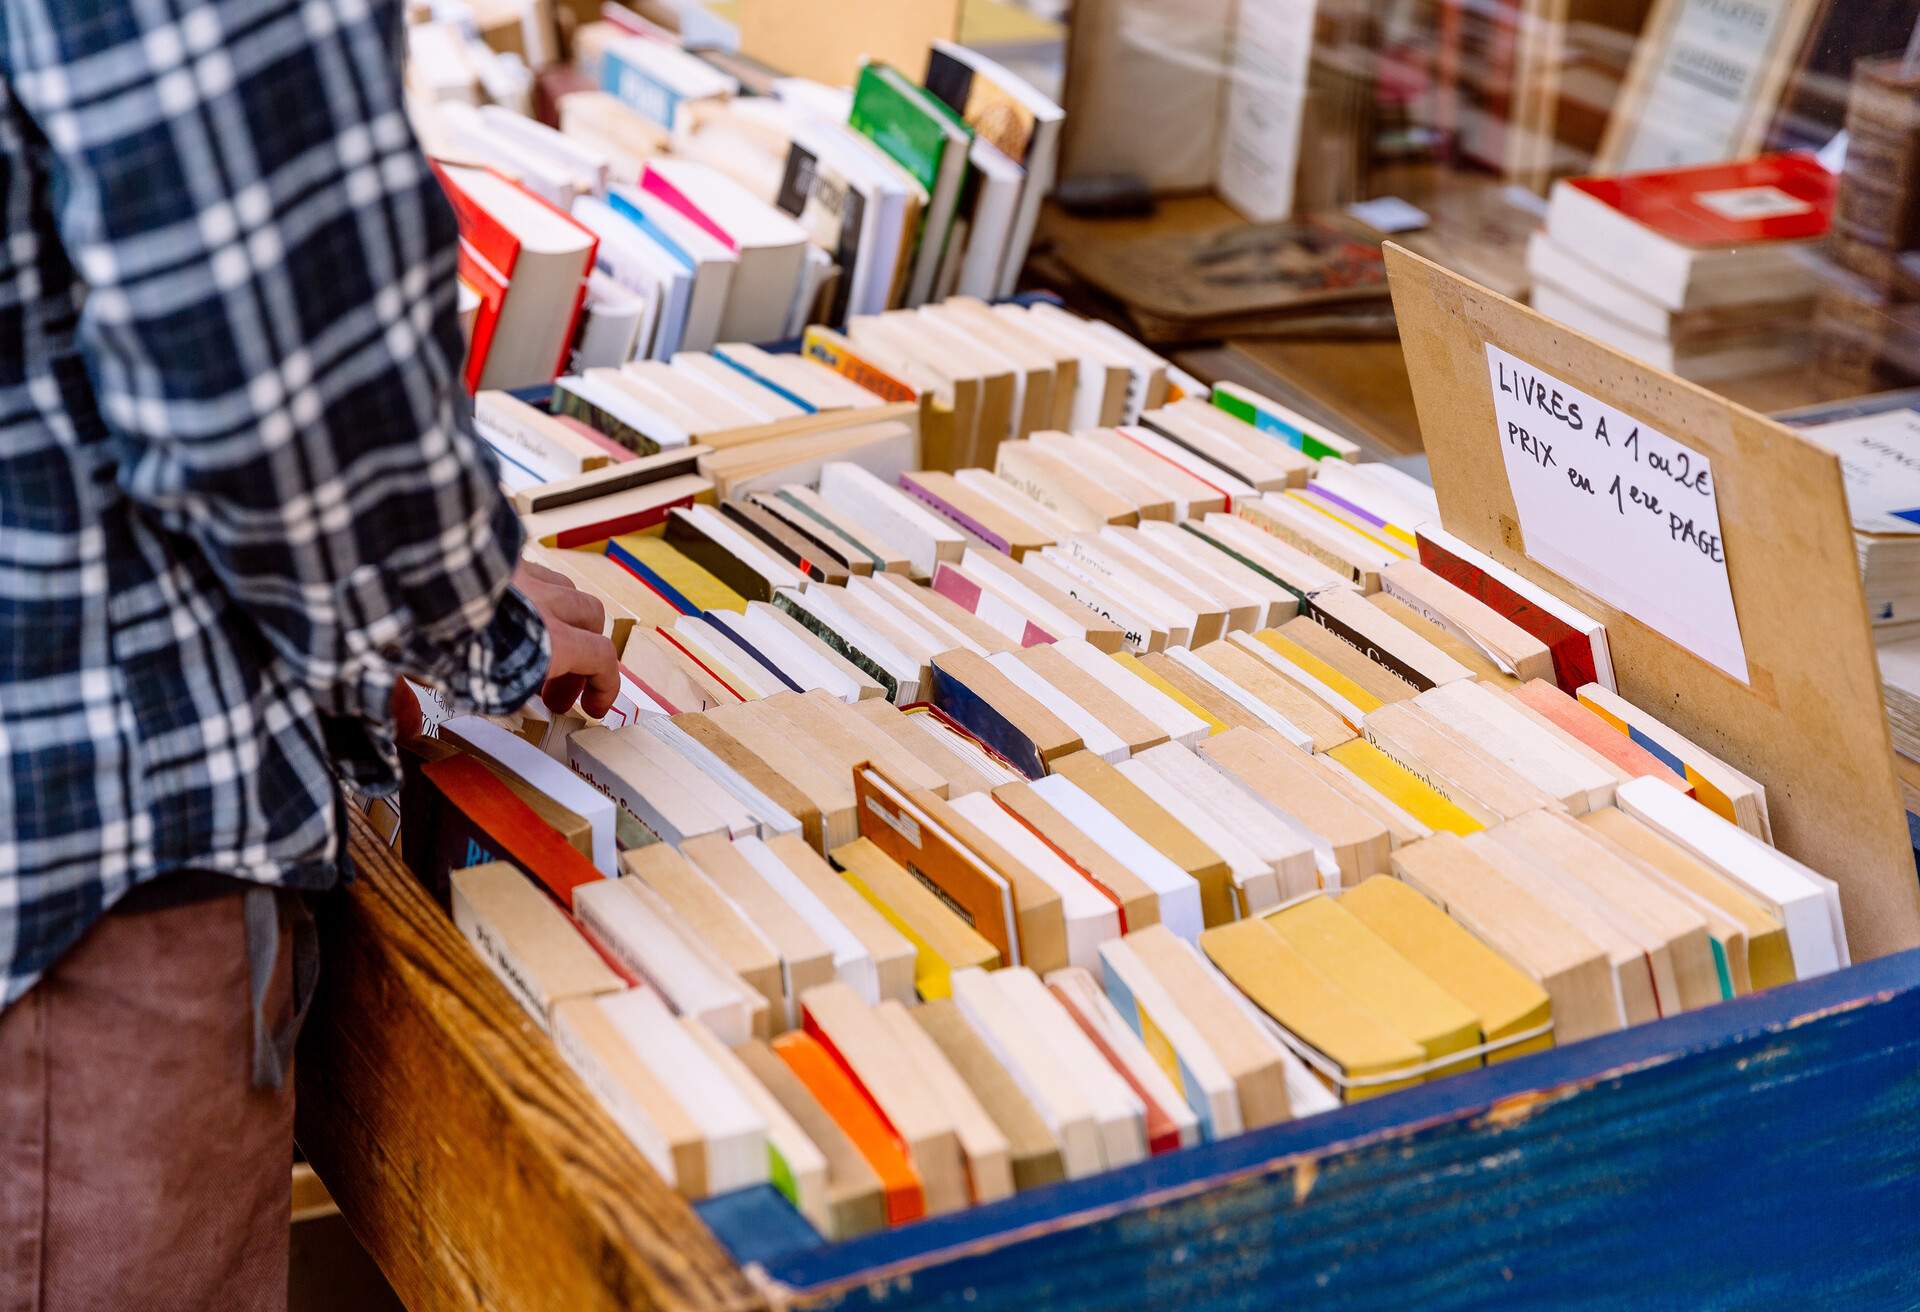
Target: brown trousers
[{"x": 139, "y": 1168}]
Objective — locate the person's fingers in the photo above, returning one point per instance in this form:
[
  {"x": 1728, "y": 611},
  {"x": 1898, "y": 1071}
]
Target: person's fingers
[
  {"x": 560, "y": 694},
  {"x": 582, "y": 610},
  {"x": 590, "y": 658},
  {"x": 530, "y": 572}
]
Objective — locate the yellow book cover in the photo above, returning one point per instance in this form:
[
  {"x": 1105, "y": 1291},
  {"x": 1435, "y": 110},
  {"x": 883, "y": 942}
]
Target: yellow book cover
[
  {"x": 1375, "y": 976},
  {"x": 1133, "y": 666},
  {"x": 1387, "y": 538},
  {"x": 654, "y": 555},
  {"x": 942, "y": 941},
  {"x": 1282, "y": 982},
  {"x": 1507, "y": 1001},
  {"x": 1340, "y": 684},
  {"x": 1403, "y": 787}
]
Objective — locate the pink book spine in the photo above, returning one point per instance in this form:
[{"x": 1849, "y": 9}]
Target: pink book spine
[
  {"x": 614, "y": 450},
  {"x": 655, "y": 185}
]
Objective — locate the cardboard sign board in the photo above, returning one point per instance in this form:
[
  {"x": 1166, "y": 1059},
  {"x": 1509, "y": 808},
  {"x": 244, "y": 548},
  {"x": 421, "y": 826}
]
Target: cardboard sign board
[{"x": 1807, "y": 720}]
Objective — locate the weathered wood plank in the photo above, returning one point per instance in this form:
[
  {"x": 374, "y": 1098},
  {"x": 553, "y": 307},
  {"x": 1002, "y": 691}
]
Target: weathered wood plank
[
  {"x": 1757, "y": 1153},
  {"x": 470, "y": 1162}
]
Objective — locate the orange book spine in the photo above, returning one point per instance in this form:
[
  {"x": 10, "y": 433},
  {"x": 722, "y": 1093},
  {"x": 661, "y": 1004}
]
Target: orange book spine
[{"x": 844, "y": 1100}]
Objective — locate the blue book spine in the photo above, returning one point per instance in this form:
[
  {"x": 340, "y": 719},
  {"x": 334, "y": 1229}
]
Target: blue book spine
[
  {"x": 636, "y": 567},
  {"x": 764, "y": 381},
  {"x": 979, "y": 717},
  {"x": 718, "y": 620},
  {"x": 638, "y": 89}
]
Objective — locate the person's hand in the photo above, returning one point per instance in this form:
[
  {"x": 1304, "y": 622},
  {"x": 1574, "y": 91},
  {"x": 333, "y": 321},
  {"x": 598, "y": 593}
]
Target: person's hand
[{"x": 583, "y": 666}]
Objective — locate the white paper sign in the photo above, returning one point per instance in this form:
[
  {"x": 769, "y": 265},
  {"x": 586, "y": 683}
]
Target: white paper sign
[{"x": 1618, "y": 508}]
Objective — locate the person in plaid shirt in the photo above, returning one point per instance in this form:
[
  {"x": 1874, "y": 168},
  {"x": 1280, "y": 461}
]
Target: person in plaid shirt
[{"x": 239, "y": 497}]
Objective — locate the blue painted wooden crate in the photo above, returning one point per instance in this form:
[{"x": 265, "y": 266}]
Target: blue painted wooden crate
[{"x": 1764, "y": 1152}]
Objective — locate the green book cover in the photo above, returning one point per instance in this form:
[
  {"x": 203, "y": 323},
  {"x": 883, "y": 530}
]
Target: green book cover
[
  {"x": 1292, "y": 434},
  {"x": 902, "y": 120}
]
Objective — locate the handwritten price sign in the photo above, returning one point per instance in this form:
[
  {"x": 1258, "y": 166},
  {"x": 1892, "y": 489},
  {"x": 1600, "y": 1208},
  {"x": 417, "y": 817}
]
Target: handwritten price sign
[{"x": 1618, "y": 508}]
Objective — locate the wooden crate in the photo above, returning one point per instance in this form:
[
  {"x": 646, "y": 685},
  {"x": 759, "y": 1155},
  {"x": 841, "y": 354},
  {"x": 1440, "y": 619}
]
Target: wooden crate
[{"x": 1759, "y": 1152}]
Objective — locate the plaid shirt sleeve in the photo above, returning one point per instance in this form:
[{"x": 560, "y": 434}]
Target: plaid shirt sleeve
[{"x": 270, "y": 327}]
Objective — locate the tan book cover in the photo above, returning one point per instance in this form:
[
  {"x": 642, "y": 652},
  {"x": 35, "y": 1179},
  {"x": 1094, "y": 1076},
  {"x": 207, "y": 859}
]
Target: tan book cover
[
  {"x": 1096, "y": 698},
  {"x": 805, "y": 958},
  {"x": 708, "y": 912},
  {"x": 984, "y": 1148},
  {"x": 893, "y": 956},
  {"x": 1139, "y": 905},
  {"x": 526, "y": 940},
  {"x": 1571, "y": 967},
  {"x": 1284, "y": 777},
  {"x": 1304, "y": 712},
  {"x": 1137, "y": 809},
  {"x": 762, "y": 775},
  {"x": 1033, "y": 1153},
  {"x": 1252, "y": 1059}
]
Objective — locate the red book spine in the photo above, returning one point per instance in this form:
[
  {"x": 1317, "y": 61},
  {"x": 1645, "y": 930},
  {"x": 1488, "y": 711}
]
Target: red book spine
[
  {"x": 1572, "y": 650},
  {"x": 618, "y": 525},
  {"x": 513, "y": 830}
]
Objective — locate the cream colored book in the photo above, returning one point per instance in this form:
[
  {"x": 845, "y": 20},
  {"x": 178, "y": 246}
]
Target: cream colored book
[
  {"x": 861, "y": 1041},
  {"x": 768, "y": 737},
  {"x": 1357, "y": 559},
  {"x": 1675, "y": 930},
  {"x": 1284, "y": 779},
  {"x": 892, "y": 954},
  {"x": 1806, "y": 902},
  {"x": 1177, "y": 722},
  {"x": 1033, "y": 1153},
  {"x": 1244, "y": 609},
  {"x": 806, "y": 959},
  {"x": 1499, "y": 727},
  {"x": 829, "y": 726},
  {"x": 1453, "y": 765},
  {"x": 1036, "y": 1067},
  {"x": 795, "y": 1165},
  {"x": 938, "y": 754},
  {"x": 1094, "y": 733},
  {"x": 1252, "y": 1057},
  {"x": 1508, "y": 645},
  {"x": 1085, "y": 505},
  {"x": 1121, "y": 477},
  {"x": 526, "y": 940},
  {"x": 1271, "y": 468},
  {"x": 710, "y": 914},
  {"x": 637, "y": 928},
  {"x": 1119, "y": 1114},
  {"x": 1768, "y": 960},
  {"x": 853, "y": 963},
  {"x": 1572, "y": 968},
  {"x": 728, "y": 1143},
  {"x": 1061, "y": 615},
  {"x": 623, "y": 764},
  {"x": 867, "y": 688},
  {"x": 942, "y": 615},
  {"x": 1386, "y": 641},
  {"x": 1635, "y": 974},
  {"x": 1135, "y": 731},
  {"x": 1266, "y": 856},
  {"x": 1178, "y": 546},
  {"x": 983, "y": 1146},
  {"x": 1090, "y": 915},
  {"x": 925, "y": 537}
]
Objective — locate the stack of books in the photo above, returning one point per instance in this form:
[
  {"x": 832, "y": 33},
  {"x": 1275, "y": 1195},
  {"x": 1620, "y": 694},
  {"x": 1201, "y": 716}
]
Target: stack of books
[
  {"x": 1869, "y": 309},
  {"x": 959, "y": 833},
  {"x": 1706, "y": 272},
  {"x": 663, "y": 208},
  {"x": 1878, "y": 441}
]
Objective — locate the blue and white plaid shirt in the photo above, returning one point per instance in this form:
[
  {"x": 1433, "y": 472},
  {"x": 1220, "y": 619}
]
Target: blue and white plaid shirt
[{"x": 238, "y": 492}]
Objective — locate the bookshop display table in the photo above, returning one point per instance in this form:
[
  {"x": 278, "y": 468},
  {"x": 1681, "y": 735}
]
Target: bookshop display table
[{"x": 1757, "y": 1152}]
